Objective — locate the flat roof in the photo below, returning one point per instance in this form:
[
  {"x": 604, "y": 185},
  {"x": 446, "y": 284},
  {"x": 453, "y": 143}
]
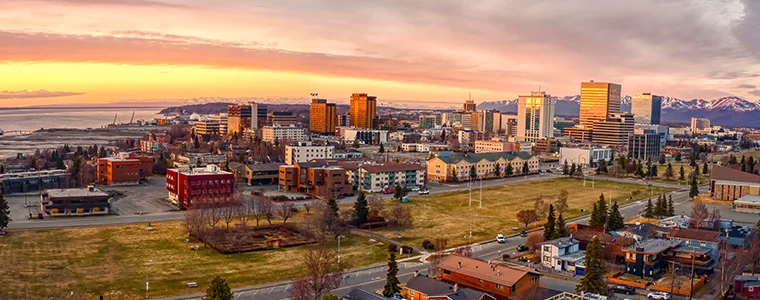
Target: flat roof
[
  {"x": 749, "y": 199},
  {"x": 653, "y": 245},
  {"x": 83, "y": 192}
]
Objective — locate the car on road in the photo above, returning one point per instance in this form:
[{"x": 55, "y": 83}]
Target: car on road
[
  {"x": 501, "y": 239},
  {"x": 415, "y": 188},
  {"x": 521, "y": 248},
  {"x": 658, "y": 295},
  {"x": 623, "y": 289},
  {"x": 423, "y": 191},
  {"x": 523, "y": 233}
]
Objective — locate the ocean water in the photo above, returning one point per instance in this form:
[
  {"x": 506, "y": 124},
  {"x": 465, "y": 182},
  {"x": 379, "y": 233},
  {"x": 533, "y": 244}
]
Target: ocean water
[{"x": 29, "y": 120}]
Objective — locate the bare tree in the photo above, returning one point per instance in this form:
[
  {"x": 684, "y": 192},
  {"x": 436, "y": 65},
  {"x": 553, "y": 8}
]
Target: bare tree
[
  {"x": 528, "y": 216},
  {"x": 254, "y": 206},
  {"x": 539, "y": 206},
  {"x": 698, "y": 213},
  {"x": 375, "y": 204},
  {"x": 243, "y": 213},
  {"x": 190, "y": 221},
  {"x": 323, "y": 220},
  {"x": 307, "y": 207},
  {"x": 438, "y": 255},
  {"x": 400, "y": 218},
  {"x": 228, "y": 211},
  {"x": 534, "y": 238},
  {"x": 286, "y": 210},
  {"x": 267, "y": 208},
  {"x": 530, "y": 292},
  {"x": 323, "y": 274},
  {"x": 562, "y": 198},
  {"x": 713, "y": 219}
]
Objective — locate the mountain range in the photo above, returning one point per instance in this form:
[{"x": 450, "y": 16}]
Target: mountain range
[{"x": 725, "y": 111}]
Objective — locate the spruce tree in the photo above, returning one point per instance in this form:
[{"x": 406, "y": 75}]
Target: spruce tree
[
  {"x": 693, "y": 160},
  {"x": 382, "y": 149},
  {"x": 594, "y": 215},
  {"x": 671, "y": 209},
  {"x": 681, "y": 175},
  {"x": 662, "y": 159},
  {"x": 653, "y": 171},
  {"x": 694, "y": 190},
  {"x": 473, "y": 172},
  {"x": 639, "y": 170},
  {"x": 454, "y": 176},
  {"x": 559, "y": 229},
  {"x": 617, "y": 221},
  {"x": 602, "y": 167},
  {"x": 669, "y": 171},
  {"x": 391, "y": 281},
  {"x": 705, "y": 170},
  {"x": 601, "y": 213},
  {"x": 593, "y": 281},
  {"x": 333, "y": 205},
  {"x": 219, "y": 290},
  {"x": 361, "y": 209},
  {"x": 549, "y": 227},
  {"x": 679, "y": 157},
  {"x": 565, "y": 169},
  {"x": 696, "y": 170},
  {"x": 649, "y": 167},
  {"x": 5, "y": 213},
  {"x": 572, "y": 170},
  {"x": 649, "y": 212},
  {"x": 398, "y": 192},
  {"x": 509, "y": 170}
]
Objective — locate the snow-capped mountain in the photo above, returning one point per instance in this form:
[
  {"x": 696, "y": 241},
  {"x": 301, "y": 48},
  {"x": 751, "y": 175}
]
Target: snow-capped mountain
[{"x": 727, "y": 111}]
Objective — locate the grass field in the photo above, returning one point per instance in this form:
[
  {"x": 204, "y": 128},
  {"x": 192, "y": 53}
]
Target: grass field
[
  {"x": 676, "y": 167},
  {"x": 447, "y": 215},
  {"x": 111, "y": 261}
]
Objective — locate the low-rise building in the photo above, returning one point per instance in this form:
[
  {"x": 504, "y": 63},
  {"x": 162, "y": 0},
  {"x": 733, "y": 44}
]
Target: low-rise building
[
  {"x": 587, "y": 155},
  {"x": 495, "y": 145},
  {"x": 348, "y": 154},
  {"x": 282, "y": 134},
  {"x": 500, "y": 281},
  {"x": 24, "y": 182},
  {"x": 563, "y": 254},
  {"x": 468, "y": 137},
  {"x": 423, "y": 147},
  {"x": 188, "y": 186},
  {"x": 199, "y": 159},
  {"x": 306, "y": 151},
  {"x": 74, "y": 202},
  {"x": 364, "y": 136},
  {"x": 648, "y": 258},
  {"x": 265, "y": 173},
  {"x": 730, "y": 184},
  {"x": 470, "y": 166},
  {"x": 376, "y": 178},
  {"x": 124, "y": 171},
  {"x": 550, "y": 145},
  {"x": 281, "y": 118},
  {"x": 315, "y": 178},
  {"x": 426, "y": 288}
]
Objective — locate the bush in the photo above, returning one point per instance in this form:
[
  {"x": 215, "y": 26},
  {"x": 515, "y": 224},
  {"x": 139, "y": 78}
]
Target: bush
[
  {"x": 505, "y": 257},
  {"x": 427, "y": 245},
  {"x": 635, "y": 193},
  {"x": 407, "y": 250}
]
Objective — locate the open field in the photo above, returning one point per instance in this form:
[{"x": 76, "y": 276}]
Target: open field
[
  {"x": 111, "y": 261},
  {"x": 673, "y": 180},
  {"x": 447, "y": 215},
  {"x": 754, "y": 154}
]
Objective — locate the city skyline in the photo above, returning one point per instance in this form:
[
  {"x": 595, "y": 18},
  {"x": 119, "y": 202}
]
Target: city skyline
[{"x": 61, "y": 52}]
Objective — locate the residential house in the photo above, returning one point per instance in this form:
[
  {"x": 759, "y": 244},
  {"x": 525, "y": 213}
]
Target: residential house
[
  {"x": 747, "y": 285},
  {"x": 425, "y": 288},
  {"x": 648, "y": 258},
  {"x": 362, "y": 294},
  {"x": 500, "y": 281},
  {"x": 563, "y": 254},
  {"x": 641, "y": 231},
  {"x": 701, "y": 238},
  {"x": 485, "y": 165},
  {"x": 613, "y": 245}
]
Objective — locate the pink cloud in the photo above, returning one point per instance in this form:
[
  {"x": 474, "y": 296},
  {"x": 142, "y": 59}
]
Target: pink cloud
[{"x": 35, "y": 94}]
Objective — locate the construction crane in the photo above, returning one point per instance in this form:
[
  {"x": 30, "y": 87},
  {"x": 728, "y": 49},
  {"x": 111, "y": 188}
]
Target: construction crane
[
  {"x": 114, "y": 118},
  {"x": 133, "y": 117}
]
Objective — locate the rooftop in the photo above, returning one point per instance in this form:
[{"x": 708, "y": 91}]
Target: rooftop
[
  {"x": 504, "y": 275},
  {"x": 436, "y": 288},
  {"x": 749, "y": 199},
  {"x": 208, "y": 170},
  {"x": 83, "y": 192},
  {"x": 391, "y": 168},
  {"x": 652, "y": 246},
  {"x": 562, "y": 242},
  {"x": 361, "y": 294},
  {"x": 476, "y": 157},
  {"x": 695, "y": 234},
  {"x": 729, "y": 174}
]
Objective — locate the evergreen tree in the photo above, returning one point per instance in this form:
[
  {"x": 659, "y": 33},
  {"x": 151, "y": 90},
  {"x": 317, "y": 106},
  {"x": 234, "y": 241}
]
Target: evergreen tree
[
  {"x": 559, "y": 228},
  {"x": 525, "y": 169},
  {"x": 617, "y": 221},
  {"x": 693, "y": 160},
  {"x": 572, "y": 170},
  {"x": 649, "y": 167},
  {"x": 391, "y": 281},
  {"x": 600, "y": 218},
  {"x": 565, "y": 169},
  {"x": 751, "y": 165},
  {"x": 622, "y": 162},
  {"x": 76, "y": 167},
  {"x": 382, "y": 149},
  {"x": 696, "y": 170},
  {"x": 732, "y": 159},
  {"x": 361, "y": 209},
  {"x": 497, "y": 170},
  {"x": 662, "y": 159},
  {"x": 694, "y": 190},
  {"x": 473, "y": 172},
  {"x": 743, "y": 162},
  {"x": 659, "y": 207},
  {"x": 649, "y": 212},
  {"x": 593, "y": 281},
  {"x": 705, "y": 171},
  {"x": 333, "y": 205},
  {"x": 602, "y": 167},
  {"x": 454, "y": 176},
  {"x": 594, "y": 215},
  {"x": 671, "y": 209},
  {"x": 639, "y": 170},
  {"x": 5, "y": 213},
  {"x": 355, "y": 144},
  {"x": 509, "y": 170},
  {"x": 219, "y": 290},
  {"x": 653, "y": 171},
  {"x": 678, "y": 157},
  {"x": 681, "y": 175},
  {"x": 669, "y": 171},
  {"x": 398, "y": 192},
  {"x": 550, "y": 225}
]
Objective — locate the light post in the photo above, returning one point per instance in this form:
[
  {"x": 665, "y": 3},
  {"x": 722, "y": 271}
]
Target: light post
[
  {"x": 340, "y": 236},
  {"x": 147, "y": 284}
]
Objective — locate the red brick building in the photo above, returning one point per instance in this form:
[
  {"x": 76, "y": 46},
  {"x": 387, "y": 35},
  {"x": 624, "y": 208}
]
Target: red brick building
[
  {"x": 199, "y": 186},
  {"x": 500, "y": 281},
  {"x": 127, "y": 170}
]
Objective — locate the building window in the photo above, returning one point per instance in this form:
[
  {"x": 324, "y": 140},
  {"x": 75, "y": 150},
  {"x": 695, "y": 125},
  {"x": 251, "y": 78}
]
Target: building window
[{"x": 447, "y": 272}]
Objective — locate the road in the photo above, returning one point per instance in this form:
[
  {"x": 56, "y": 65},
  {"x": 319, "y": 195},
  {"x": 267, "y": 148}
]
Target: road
[{"x": 373, "y": 277}]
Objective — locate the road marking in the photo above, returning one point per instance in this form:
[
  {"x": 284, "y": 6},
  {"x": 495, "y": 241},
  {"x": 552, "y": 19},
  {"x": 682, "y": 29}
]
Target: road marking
[
  {"x": 270, "y": 290},
  {"x": 256, "y": 292},
  {"x": 238, "y": 295}
]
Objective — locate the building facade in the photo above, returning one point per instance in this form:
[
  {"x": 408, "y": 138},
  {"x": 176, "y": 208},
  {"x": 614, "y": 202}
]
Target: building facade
[
  {"x": 306, "y": 151},
  {"x": 189, "y": 187},
  {"x": 501, "y": 281},
  {"x": 491, "y": 146},
  {"x": 535, "y": 116},
  {"x": 699, "y": 124},
  {"x": 662, "y": 131},
  {"x": 238, "y": 118},
  {"x": 363, "y": 111},
  {"x": 323, "y": 116},
  {"x": 365, "y": 136},
  {"x": 644, "y": 145},
  {"x": 598, "y": 100},
  {"x": 614, "y": 131},
  {"x": 281, "y": 118},
  {"x": 585, "y": 155},
  {"x": 428, "y": 121},
  {"x": 270, "y": 134},
  {"x": 315, "y": 178},
  {"x": 728, "y": 184},
  {"x": 74, "y": 202},
  {"x": 646, "y": 108},
  {"x": 563, "y": 254},
  {"x": 258, "y": 115},
  {"x": 24, "y": 182},
  {"x": 376, "y": 178},
  {"x": 124, "y": 171},
  {"x": 468, "y": 137},
  {"x": 471, "y": 166}
]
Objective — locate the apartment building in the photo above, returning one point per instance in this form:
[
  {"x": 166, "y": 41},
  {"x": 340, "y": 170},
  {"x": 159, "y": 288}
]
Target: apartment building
[
  {"x": 491, "y": 146},
  {"x": 470, "y": 166},
  {"x": 306, "y": 151},
  {"x": 376, "y": 178},
  {"x": 283, "y": 134},
  {"x": 315, "y": 178},
  {"x": 210, "y": 185}
]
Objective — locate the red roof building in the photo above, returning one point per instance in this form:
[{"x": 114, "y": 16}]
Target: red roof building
[
  {"x": 500, "y": 281},
  {"x": 199, "y": 186}
]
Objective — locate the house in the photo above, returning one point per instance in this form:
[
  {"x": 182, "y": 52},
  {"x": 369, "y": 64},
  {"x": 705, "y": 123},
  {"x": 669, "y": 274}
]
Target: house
[
  {"x": 500, "y": 281},
  {"x": 648, "y": 258},
  {"x": 425, "y": 288},
  {"x": 641, "y": 231},
  {"x": 362, "y": 294},
  {"x": 613, "y": 245},
  {"x": 562, "y": 254},
  {"x": 747, "y": 285},
  {"x": 699, "y": 238}
]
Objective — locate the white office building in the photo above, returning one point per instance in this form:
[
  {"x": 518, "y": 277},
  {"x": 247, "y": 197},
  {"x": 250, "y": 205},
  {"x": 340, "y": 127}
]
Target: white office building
[
  {"x": 305, "y": 151},
  {"x": 270, "y": 134},
  {"x": 585, "y": 155},
  {"x": 535, "y": 117}
]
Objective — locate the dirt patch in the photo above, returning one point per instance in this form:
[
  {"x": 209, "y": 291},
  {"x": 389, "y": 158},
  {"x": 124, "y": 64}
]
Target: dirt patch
[{"x": 247, "y": 239}]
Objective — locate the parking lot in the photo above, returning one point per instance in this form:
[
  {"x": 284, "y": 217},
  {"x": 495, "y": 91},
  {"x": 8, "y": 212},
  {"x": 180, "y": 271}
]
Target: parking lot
[{"x": 147, "y": 197}]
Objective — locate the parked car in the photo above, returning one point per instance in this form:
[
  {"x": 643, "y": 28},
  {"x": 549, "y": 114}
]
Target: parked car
[
  {"x": 521, "y": 248},
  {"x": 623, "y": 289},
  {"x": 658, "y": 295},
  {"x": 424, "y": 191},
  {"x": 501, "y": 239},
  {"x": 523, "y": 233},
  {"x": 415, "y": 188},
  {"x": 389, "y": 191}
]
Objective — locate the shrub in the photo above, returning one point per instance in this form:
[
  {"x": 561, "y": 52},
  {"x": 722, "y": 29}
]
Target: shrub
[
  {"x": 407, "y": 250},
  {"x": 427, "y": 245}
]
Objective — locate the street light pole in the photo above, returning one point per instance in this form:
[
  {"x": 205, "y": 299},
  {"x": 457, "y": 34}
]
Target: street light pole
[
  {"x": 147, "y": 284},
  {"x": 339, "y": 252}
]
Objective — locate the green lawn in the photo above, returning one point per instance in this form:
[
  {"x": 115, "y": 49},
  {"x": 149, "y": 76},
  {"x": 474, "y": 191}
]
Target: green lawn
[
  {"x": 447, "y": 215},
  {"x": 110, "y": 261}
]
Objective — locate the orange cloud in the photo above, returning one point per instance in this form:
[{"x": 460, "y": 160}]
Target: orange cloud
[{"x": 35, "y": 94}]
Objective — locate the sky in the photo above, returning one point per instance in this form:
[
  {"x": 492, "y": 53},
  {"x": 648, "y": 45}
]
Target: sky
[{"x": 426, "y": 52}]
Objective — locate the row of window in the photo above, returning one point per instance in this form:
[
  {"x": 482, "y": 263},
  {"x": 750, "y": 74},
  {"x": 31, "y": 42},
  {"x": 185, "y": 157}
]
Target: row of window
[{"x": 211, "y": 191}]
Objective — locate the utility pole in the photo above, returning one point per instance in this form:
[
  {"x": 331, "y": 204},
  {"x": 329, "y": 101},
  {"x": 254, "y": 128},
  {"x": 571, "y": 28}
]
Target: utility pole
[{"x": 691, "y": 289}]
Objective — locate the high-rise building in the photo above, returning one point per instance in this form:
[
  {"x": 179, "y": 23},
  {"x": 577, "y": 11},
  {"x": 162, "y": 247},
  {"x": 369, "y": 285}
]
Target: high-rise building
[
  {"x": 488, "y": 120},
  {"x": 427, "y": 121},
  {"x": 646, "y": 108},
  {"x": 281, "y": 118},
  {"x": 344, "y": 120},
  {"x": 698, "y": 124},
  {"x": 469, "y": 105},
  {"x": 598, "y": 101},
  {"x": 535, "y": 116},
  {"x": 238, "y": 118},
  {"x": 613, "y": 131},
  {"x": 644, "y": 144},
  {"x": 509, "y": 124},
  {"x": 363, "y": 111},
  {"x": 258, "y": 115},
  {"x": 323, "y": 116}
]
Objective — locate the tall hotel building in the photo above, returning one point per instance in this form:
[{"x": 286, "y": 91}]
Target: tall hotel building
[
  {"x": 598, "y": 101},
  {"x": 238, "y": 118},
  {"x": 363, "y": 111},
  {"x": 323, "y": 116},
  {"x": 646, "y": 108},
  {"x": 535, "y": 117}
]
